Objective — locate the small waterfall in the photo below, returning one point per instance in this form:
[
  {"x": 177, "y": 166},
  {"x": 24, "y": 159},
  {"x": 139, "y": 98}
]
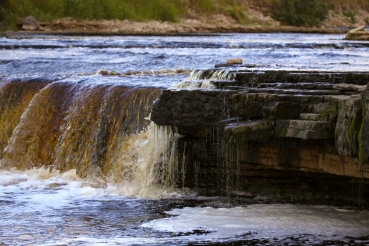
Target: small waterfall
[
  {"x": 204, "y": 79},
  {"x": 146, "y": 165},
  {"x": 96, "y": 132},
  {"x": 76, "y": 126}
]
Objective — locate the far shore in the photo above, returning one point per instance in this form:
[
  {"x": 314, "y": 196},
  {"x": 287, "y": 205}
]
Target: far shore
[{"x": 155, "y": 28}]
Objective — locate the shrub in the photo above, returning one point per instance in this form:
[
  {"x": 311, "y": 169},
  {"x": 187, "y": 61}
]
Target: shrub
[
  {"x": 351, "y": 15},
  {"x": 236, "y": 8},
  {"x": 301, "y": 12},
  {"x": 204, "y": 5}
]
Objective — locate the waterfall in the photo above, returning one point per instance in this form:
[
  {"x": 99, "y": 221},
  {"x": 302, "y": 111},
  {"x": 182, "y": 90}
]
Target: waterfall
[
  {"x": 77, "y": 126},
  {"x": 146, "y": 164},
  {"x": 204, "y": 79},
  {"x": 98, "y": 132},
  {"x": 14, "y": 99}
]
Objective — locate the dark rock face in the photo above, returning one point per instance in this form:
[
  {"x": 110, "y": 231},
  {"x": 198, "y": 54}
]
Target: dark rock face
[{"x": 293, "y": 136}]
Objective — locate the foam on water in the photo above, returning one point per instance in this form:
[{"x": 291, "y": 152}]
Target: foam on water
[
  {"x": 40, "y": 198},
  {"x": 266, "y": 221},
  {"x": 88, "y": 54},
  {"x": 144, "y": 166}
]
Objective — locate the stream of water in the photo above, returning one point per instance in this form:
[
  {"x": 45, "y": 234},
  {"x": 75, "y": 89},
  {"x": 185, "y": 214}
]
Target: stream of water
[{"x": 41, "y": 206}]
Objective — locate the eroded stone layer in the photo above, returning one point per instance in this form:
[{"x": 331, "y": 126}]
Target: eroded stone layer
[{"x": 274, "y": 128}]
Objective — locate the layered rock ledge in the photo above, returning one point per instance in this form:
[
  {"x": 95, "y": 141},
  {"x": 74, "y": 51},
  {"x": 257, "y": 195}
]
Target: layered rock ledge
[{"x": 291, "y": 136}]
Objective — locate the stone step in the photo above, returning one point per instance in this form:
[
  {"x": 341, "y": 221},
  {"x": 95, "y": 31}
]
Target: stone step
[
  {"x": 319, "y": 108},
  {"x": 304, "y": 129},
  {"x": 298, "y": 92},
  {"x": 303, "y": 86},
  {"x": 219, "y": 84},
  {"x": 350, "y": 88},
  {"x": 300, "y": 76},
  {"x": 259, "y": 130},
  {"x": 342, "y": 87},
  {"x": 315, "y": 117},
  {"x": 240, "y": 88}
]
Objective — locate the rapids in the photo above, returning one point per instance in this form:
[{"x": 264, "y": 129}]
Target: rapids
[{"x": 82, "y": 164}]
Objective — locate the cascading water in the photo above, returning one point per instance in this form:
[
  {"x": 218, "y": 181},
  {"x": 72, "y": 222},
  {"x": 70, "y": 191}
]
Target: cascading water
[
  {"x": 73, "y": 126},
  {"x": 100, "y": 131},
  {"x": 14, "y": 99},
  {"x": 204, "y": 79},
  {"x": 146, "y": 165},
  {"x": 82, "y": 165}
]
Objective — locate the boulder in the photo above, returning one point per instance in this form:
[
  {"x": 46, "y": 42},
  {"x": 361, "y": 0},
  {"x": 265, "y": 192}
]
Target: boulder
[
  {"x": 30, "y": 24},
  {"x": 357, "y": 34}
]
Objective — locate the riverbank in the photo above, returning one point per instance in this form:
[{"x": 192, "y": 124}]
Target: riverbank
[
  {"x": 196, "y": 21},
  {"x": 69, "y": 26}
]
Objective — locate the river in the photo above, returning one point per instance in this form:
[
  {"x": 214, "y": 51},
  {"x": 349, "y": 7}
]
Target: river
[{"x": 44, "y": 207}]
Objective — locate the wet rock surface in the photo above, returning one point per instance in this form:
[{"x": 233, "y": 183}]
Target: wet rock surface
[{"x": 275, "y": 133}]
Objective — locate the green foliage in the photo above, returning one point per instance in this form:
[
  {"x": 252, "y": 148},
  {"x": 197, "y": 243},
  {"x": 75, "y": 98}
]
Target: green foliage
[
  {"x": 140, "y": 10},
  {"x": 367, "y": 20},
  {"x": 301, "y": 12},
  {"x": 236, "y": 8},
  {"x": 350, "y": 15},
  {"x": 204, "y": 5},
  {"x": 238, "y": 13},
  {"x": 47, "y": 10}
]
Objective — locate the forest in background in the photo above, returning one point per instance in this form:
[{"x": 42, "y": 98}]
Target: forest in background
[{"x": 288, "y": 12}]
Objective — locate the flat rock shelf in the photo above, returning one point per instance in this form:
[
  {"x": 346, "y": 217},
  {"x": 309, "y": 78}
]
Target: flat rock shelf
[{"x": 296, "y": 136}]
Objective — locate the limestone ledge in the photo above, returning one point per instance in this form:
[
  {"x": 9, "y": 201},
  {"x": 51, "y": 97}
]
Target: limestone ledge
[{"x": 251, "y": 121}]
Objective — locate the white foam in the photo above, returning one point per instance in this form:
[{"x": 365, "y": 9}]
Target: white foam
[
  {"x": 266, "y": 221},
  {"x": 45, "y": 197},
  {"x": 196, "y": 79}
]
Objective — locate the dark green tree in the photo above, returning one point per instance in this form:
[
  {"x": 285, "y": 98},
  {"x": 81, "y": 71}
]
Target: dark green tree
[{"x": 302, "y": 12}]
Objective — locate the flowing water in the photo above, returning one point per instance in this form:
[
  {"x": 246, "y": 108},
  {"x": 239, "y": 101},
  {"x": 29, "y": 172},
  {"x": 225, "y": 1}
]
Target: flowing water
[{"x": 81, "y": 163}]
